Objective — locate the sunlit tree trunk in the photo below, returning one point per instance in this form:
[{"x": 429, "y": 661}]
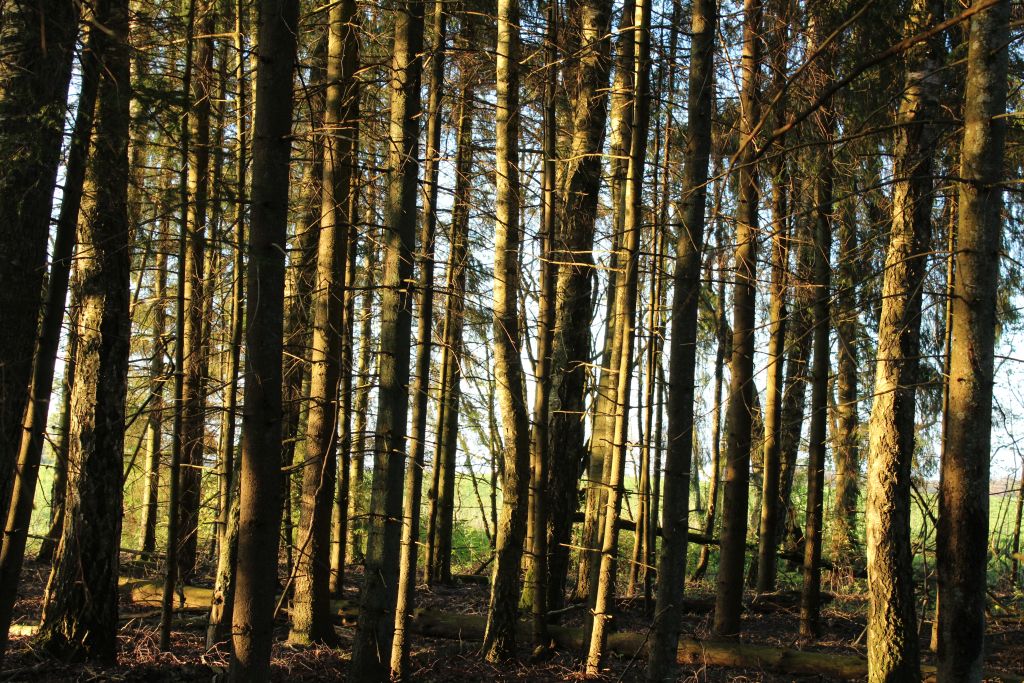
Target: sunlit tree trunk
[
  {"x": 500, "y": 633},
  {"x": 893, "y": 652},
  {"x": 964, "y": 496}
]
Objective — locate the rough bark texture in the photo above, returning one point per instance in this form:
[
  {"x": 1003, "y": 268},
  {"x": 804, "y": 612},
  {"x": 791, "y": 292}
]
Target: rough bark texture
[
  {"x": 311, "y": 611},
  {"x": 739, "y": 418},
  {"x": 964, "y": 496},
  {"x": 80, "y": 606},
  {"x": 260, "y": 479},
  {"x": 683, "y": 345},
  {"x": 37, "y": 43},
  {"x": 589, "y": 21},
  {"x": 892, "y": 627},
  {"x": 371, "y": 650},
  {"x": 500, "y": 635}
]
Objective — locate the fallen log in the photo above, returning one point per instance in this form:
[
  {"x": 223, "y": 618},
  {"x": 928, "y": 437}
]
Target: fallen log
[
  {"x": 629, "y": 525},
  {"x": 704, "y": 652}
]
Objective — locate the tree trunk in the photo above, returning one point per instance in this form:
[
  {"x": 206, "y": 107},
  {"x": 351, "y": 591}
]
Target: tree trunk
[
  {"x": 964, "y": 496},
  {"x": 311, "y": 609},
  {"x": 741, "y": 395},
  {"x": 570, "y": 345},
  {"x": 603, "y": 592},
  {"x": 767, "y": 565},
  {"x": 222, "y": 606},
  {"x": 79, "y": 619},
  {"x": 892, "y": 626},
  {"x": 191, "y": 273},
  {"x": 260, "y": 479},
  {"x": 37, "y": 42},
  {"x": 157, "y": 379},
  {"x": 817, "y": 437},
  {"x": 371, "y": 649},
  {"x": 537, "y": 570},
  {"x": 683, "y": 350},
  {"x": 598, "y": 467},
  {"x": 358, "y": 495},
  {"x": 420, "y": 390},
  {"x": 500, "y": 634}
]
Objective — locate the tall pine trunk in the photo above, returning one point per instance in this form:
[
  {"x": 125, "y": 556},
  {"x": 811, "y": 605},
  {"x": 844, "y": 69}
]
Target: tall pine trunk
[
  {"x": 371, "y": 650},
  {"x": 500, "y": 633},
  {"x": 260, "y": 478},
  {"x": 964, "y": 495},
  {"x": 683, "y": 345},
  {"x": 739, "y": 418},
  {"x": 79, "y": 618}
]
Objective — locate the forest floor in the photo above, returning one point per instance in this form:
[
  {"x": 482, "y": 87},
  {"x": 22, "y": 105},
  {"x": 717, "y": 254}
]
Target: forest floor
[{"x": 435, "y": 659}]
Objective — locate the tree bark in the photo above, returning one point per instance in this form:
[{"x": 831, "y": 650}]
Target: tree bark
[
  {"x": 741, "y": 395},
  {"x": 893, "y": 652},
  {"x": 311, "y": 611},
  {"x": 371, "y": 650},
  {"x": 79, "y": 620},
  {"x": 683, "y": 349},
  {"x": 570, "y": 345},
  {"x": 260, "y": 479},
  {"x": 500, "y": 634},
  {"x": 37, "y": 45},
  {"x": 964, "y": 495}
]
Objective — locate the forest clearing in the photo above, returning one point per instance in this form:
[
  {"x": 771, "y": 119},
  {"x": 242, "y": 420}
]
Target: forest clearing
[{"x": 513, "y": 340}]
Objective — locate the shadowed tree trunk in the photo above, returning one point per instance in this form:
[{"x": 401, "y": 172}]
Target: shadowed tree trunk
[
  {"x": 587, "y": 35},
  {"x": 371, "y": 649},
  {"x": 683, "y": 345},
  {"x": 964, "y": 495},
  {"x": 739, "y": 416},
  {"x": 37, "y": 42},
  {"x": 196, "y": 347},
  {"x": 79, "y": 619},
  {"x": 420, "y": 390},
  {"x": 260, "y": 479}
]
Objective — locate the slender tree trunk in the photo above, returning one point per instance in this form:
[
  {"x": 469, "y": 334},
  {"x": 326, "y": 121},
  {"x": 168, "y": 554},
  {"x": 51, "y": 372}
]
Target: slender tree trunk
[
  {"x": 222, "y": 607},
  {"x": 192, "y": 426},
  {"x": 846, "y": 548},
  {"x": 406, "y": 600},
  {"x": 79, "y": 619},
  {"x": 358, "y": 496},
  {"x": 260, "y": 479},
  {"x": 817, "y": 437},
  {"x": 311, "y": 608},
  {"x": 892, "y": 626},
  {"x": 625, "y": 304},
  {"x": 58, "y": 490},
  {"x": 37, "y": 42},
  {"x": 767, "y": 565},
  {"x": 683, "y": 349},
  {"x": 570, "y": 346},
  {"x": 716, "y": 424},
  {"x": 157, "y": 379},
  {"x": 500, "y": 634},
  {"x": 536, "y": 593},
  {"x": 964, "y": 495},
  {"x": 371, "y": 650},
  {"x": 604, "y": 400},
  {"x": 741, "y": 395}
]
